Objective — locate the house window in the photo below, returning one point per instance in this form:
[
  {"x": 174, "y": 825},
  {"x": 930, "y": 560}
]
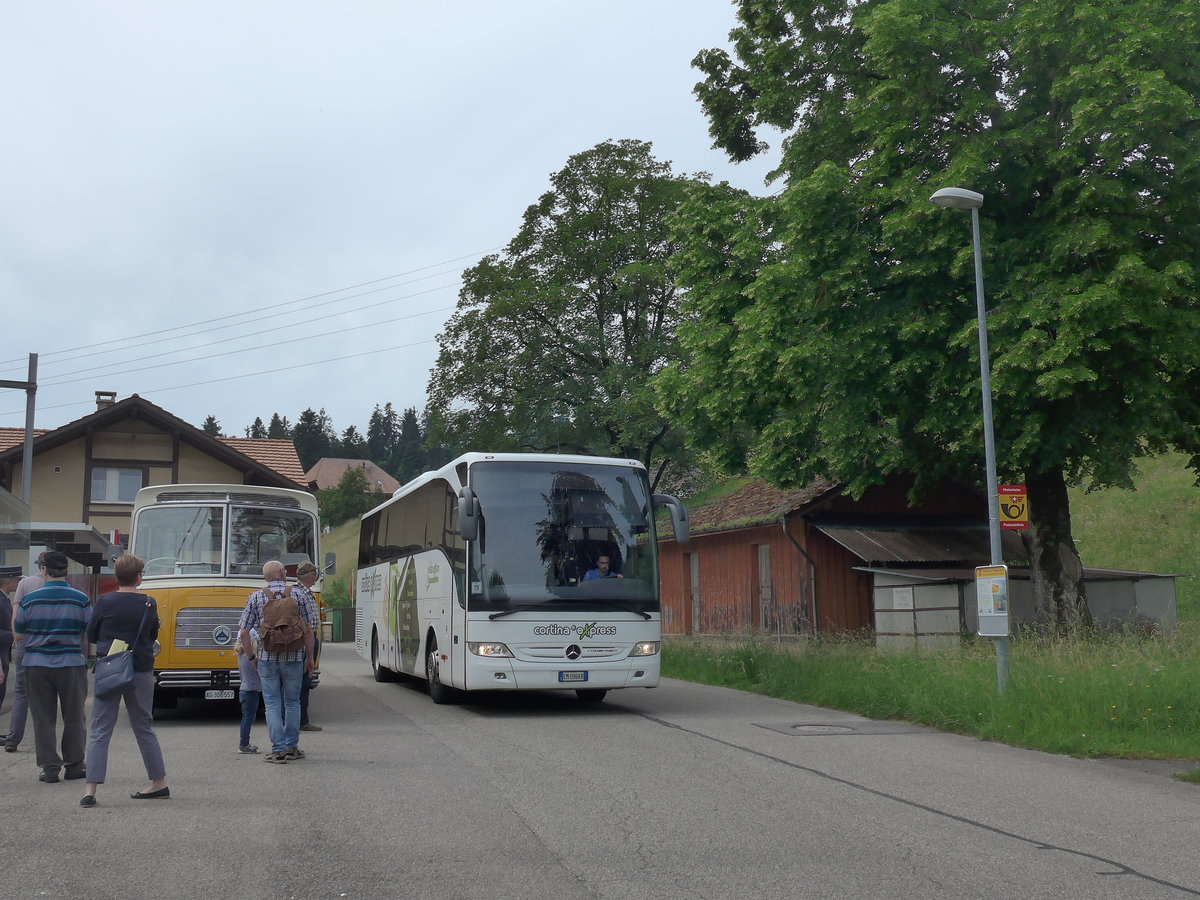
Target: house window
[{"x": 115, "y": 485}]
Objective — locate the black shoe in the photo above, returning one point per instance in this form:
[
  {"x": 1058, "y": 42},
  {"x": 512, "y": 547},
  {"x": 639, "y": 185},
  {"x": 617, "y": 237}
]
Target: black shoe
[
  {"x": 160, "y": 794},
  {"x": 49, "y": 775},
  {"x": 88, "y": 802},
  {"x": 10, "y": 748},
  {"x": 72, "y": 774}
]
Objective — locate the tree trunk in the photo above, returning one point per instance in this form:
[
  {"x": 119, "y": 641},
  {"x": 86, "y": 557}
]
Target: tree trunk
[{"x": 1058, "y": 596}]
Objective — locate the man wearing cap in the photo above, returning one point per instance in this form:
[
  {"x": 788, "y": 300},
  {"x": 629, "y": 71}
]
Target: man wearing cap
[
  {"x": 306, "y": 575},
  {"x": 53, "y": 620}
]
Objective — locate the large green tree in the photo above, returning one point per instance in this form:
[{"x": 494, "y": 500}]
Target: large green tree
[
  {"x": 834, "y": 327},
  {"x": 555, "y": 339},
  {"x": 351, "y": 497}
]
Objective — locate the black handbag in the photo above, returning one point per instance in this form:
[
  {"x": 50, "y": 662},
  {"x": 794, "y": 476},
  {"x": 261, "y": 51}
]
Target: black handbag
[{"x": 115, "y": 671}]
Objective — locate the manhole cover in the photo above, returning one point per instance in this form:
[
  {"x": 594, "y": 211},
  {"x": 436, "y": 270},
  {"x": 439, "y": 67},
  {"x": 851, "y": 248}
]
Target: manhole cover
[
  {"x": 822, "y": 729},
  {"x": 865, "y": 726}
]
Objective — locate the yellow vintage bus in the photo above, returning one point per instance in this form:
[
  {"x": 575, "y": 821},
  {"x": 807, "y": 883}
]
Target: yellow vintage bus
[{"x": 204, "y": 546}]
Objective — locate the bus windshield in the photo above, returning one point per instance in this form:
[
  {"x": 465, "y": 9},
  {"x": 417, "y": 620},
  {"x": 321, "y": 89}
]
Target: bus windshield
[
  {"x": 566, "y": 537},
  {"x": 188, "y": 539}
]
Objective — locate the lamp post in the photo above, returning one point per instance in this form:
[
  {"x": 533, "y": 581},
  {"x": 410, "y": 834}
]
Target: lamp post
[{"x": 961, "y": 198}]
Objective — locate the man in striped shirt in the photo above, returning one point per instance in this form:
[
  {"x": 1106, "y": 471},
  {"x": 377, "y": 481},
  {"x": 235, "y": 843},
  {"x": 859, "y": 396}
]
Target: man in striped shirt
[{"x": 53, "y": 620}]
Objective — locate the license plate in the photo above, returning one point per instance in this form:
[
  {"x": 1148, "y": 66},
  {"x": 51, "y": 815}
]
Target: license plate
[
  {"x": 572, "y": 676},
  {"x": 218, "y": 695}
]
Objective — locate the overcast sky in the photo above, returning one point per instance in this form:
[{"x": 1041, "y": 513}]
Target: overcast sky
[{"x": 187, "y": 179}]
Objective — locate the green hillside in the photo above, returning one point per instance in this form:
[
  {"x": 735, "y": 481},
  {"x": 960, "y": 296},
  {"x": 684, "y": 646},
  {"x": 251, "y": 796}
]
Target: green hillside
[
  {"x": 1154, "y": 528},
  {"x": 343, "y": 541}
]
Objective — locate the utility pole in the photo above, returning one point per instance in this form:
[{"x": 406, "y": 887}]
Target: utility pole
[{"x": 30, "y": 388}]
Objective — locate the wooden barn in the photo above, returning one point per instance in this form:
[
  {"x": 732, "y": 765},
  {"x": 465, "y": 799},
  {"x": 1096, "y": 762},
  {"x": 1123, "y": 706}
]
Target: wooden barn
[{"x": 791, "y": 562}]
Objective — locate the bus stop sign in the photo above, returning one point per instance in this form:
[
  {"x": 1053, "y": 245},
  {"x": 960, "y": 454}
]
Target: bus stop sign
[{"x": 991, "y": 592}]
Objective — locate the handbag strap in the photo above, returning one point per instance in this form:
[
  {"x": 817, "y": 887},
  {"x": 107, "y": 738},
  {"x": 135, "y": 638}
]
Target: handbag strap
[{"x": 141, "y": 625}]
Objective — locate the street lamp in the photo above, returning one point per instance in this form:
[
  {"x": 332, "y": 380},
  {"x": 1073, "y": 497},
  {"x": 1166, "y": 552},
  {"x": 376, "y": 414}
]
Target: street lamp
[{"x": 961, "y": 198}]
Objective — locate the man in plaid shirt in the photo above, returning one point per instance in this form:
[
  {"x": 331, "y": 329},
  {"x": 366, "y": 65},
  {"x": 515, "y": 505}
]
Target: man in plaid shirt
[{"x": 281, "y": 673}]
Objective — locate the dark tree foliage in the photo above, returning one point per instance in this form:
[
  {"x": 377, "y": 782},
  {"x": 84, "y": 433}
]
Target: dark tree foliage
[
  {"x": 280, "y": 427},
  {"x": 352, "y": 445},
  {"x": 212, "y": 426},
  {"x": 314, "y": 437}
]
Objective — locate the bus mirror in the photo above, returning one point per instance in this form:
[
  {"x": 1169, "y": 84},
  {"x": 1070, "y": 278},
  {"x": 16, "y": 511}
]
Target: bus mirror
[
  {"x": 330, "y": 563},
  {"x": 679, "y": 516},
  {"x": 468, "y": 515}
]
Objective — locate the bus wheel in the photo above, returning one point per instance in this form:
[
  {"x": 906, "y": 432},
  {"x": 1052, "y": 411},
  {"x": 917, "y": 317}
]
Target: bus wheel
[
  {"x": 380, "y": 672},
  {"x": 590, "y": 695},
  {"x": 438, "y": 692}
]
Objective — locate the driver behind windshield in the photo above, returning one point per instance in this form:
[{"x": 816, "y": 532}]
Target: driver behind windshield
[{"x": 603, "y": 570}]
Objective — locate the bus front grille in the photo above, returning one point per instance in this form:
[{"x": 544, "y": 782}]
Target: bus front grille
[{"x": 207, "y": 628}]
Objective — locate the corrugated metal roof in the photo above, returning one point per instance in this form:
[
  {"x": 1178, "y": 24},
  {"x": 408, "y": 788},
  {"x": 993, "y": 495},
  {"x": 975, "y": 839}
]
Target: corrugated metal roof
[
  {"x": 892, "y": 543},
  {"x": 1015, "y": 573}
]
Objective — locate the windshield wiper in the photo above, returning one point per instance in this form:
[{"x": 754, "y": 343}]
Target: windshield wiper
[
  {"x": 624, "y": 607},
  {"x": 517, "y": 609},
  {"x": 541, "y": 607}
]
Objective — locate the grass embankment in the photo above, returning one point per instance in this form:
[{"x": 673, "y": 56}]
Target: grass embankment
[
  {"x": 1110, "y": 695},
  {"x": 343, "y": 541},
  {"x": 1119, "y": 695}
]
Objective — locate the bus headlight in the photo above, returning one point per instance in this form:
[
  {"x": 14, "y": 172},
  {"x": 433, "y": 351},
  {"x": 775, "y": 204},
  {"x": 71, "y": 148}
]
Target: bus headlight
[
  {"x": 644, "y": 648},
  {"x": 482, "y": 649}
]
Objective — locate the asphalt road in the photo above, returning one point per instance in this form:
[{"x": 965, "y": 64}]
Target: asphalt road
[{"x": 683, "y": 791}]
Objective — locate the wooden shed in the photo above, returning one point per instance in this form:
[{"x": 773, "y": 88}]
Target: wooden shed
[{"x": 790, "y": 562}]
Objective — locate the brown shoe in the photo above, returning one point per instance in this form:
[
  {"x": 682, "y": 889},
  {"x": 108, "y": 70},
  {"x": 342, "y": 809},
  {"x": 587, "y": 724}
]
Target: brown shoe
[{"x": 311, "y": 727}]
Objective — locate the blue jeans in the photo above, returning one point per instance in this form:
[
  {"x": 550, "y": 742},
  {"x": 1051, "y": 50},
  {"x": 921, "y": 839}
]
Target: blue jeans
[
  {"x": 281, "y": 694},
  {"x": 250, "y": 701}
]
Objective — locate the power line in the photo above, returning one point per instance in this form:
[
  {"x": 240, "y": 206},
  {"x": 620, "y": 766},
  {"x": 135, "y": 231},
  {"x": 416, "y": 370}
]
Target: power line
[
  {"x": 94, "y": 372},
  {"x": 179, "y": 362},
  {"x": 273, "y": 369},
  {"x": 351, "y": 287},
  {"x": 247, "y": 321}
]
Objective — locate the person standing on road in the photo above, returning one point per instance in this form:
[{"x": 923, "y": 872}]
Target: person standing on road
[
  {"x": 6, "y": 640},
  {"x": 280, "y": 672},
  {"x": 131, "y": 616},
  {"x": 20, "y": 704},
  {"x": 53, "y": 620},
  {"x": 306, "y": 575},
  {"x": 249, "y": 692}
]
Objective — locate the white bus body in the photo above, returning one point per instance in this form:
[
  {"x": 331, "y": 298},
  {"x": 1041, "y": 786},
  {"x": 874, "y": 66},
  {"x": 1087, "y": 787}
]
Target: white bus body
[{"x": 483, "y": 576}]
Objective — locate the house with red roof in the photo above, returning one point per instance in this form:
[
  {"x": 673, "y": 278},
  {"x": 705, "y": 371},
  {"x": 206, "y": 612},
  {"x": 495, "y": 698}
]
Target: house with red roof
[
  {"x": 328, "y": 471},
  {"x": 85, "y": 473}
]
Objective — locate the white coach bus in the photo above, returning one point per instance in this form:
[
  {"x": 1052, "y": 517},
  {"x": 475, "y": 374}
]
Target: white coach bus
[{"x": 488, "y": 575}]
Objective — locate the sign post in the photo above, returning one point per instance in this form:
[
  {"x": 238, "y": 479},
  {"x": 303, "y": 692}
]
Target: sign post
[{"x": 991, "y": 597}]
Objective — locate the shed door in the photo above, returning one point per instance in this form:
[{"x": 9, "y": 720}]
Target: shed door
[
  {"x": 691, "y": 574},
  {"x": 764, "y": 587}
]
